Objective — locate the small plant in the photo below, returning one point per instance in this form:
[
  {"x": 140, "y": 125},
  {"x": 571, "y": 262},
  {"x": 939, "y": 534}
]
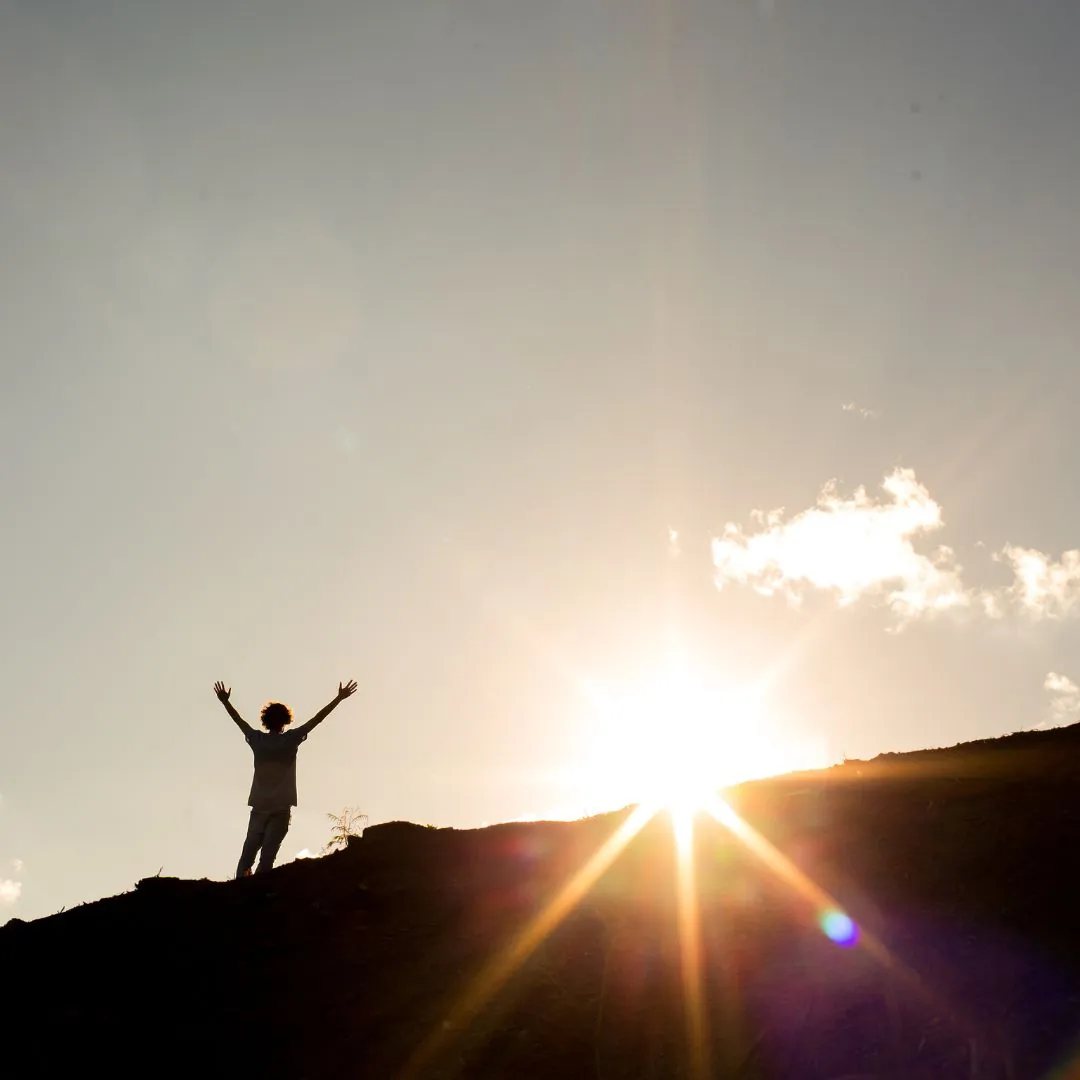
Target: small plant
[{"x": 347, "y": 824}]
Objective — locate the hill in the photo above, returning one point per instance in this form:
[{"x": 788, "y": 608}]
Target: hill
[{"x": 398, "y": 956}]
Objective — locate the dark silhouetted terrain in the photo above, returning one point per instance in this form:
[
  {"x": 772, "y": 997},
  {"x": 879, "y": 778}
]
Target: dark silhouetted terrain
[{"x": 959, "y": 862}]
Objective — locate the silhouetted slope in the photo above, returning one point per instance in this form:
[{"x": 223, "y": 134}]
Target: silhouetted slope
[{"x": 960, "y": 861}]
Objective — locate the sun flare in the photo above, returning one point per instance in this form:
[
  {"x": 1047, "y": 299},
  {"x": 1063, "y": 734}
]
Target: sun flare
[
  {"x": 671, "y": 741},
  {"x": 667, "y": 743}
]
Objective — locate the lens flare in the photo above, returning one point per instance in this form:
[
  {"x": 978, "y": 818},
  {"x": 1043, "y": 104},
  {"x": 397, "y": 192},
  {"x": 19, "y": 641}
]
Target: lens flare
[{"x": 838, "y": 928}]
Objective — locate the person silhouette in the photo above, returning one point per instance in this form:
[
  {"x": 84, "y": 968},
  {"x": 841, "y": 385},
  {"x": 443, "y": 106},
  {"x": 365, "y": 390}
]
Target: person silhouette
[{"x": 273, "y": 787}]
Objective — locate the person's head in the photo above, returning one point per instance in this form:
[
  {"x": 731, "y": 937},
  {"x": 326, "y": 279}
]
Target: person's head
[{"x": 276, "y": 717}]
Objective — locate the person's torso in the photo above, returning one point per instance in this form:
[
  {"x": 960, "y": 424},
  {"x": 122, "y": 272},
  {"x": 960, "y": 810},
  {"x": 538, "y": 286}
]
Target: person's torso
[{"x": 273, "y": 786}]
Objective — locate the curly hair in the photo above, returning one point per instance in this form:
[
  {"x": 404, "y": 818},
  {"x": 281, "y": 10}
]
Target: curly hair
[{"x": 275, "y": 716}]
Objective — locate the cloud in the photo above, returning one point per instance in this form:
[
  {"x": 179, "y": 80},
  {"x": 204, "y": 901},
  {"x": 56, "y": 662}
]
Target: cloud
[
  {"x": 1043, "y": 588},
  {"x": 860, "y": 410},
  {"x": 9, "y": 890},
  {"x": 853, "y": 548},
  {"x": 17, "y": 865},
  {"x": 1064, "y": 700},
  {"x": 863, "y": 547}
]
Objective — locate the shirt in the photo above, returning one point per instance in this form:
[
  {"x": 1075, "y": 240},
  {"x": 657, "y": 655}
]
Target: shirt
[{"x": 273, "y": 786}]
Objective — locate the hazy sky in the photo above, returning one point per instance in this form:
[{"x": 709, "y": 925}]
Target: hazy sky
[{"x": 395, "y": 340}]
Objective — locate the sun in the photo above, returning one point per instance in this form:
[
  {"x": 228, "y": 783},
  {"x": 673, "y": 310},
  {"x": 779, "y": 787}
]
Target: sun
[
  {"x": 672, "y": 739},
  {"x": 665, "y": 742}
]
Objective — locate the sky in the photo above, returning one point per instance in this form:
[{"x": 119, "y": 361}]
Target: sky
[{"x": 501, "y": 356}]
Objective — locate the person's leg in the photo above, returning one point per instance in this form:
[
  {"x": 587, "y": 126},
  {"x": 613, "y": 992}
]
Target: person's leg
[
  {"x": 252, "y": 842},
  {"x": 277, "y": 826}
]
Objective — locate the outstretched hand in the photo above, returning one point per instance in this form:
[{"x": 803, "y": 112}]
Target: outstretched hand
[
  {"x": 345, "y": 690},
  {"x": 222, "y": 693}
]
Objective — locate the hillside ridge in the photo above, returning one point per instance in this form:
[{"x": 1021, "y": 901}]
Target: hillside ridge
[{"x": 384, "y": 960}]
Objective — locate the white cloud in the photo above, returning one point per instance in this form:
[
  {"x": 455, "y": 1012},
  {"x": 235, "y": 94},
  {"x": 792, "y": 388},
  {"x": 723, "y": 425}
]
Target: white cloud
[
  {"x": 1043, "y": 588},
  {"x": 1064, "y": 700},
  {"x": 9, "y": 891},
  {"x": 17, "y": 865},
  {"x": 865, "y": 548},
  {"x": 1061, "y": 684},
  {"x": 853, "y": 548},
  {"x": 860, "y": 410},
  {"x": 673, "y": 543}
]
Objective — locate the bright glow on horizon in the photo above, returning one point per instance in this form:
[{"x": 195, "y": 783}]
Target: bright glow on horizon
[{"x": 674, "y": 740}]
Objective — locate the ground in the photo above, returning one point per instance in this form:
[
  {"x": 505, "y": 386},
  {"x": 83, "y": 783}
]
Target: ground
[{"x": 387, "y": 959}]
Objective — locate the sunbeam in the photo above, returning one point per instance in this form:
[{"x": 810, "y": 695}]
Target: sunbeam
[
  {"x": 829, "y": 915},
  {"x": 492, "y": 977},
  {"x": 689, "y": 927},
  {"x": 833, "y": 921}
]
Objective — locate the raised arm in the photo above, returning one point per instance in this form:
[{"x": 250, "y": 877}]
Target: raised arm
[
  {"x": 344, "y": 690},
  {"x": 223, "y": 697}
]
